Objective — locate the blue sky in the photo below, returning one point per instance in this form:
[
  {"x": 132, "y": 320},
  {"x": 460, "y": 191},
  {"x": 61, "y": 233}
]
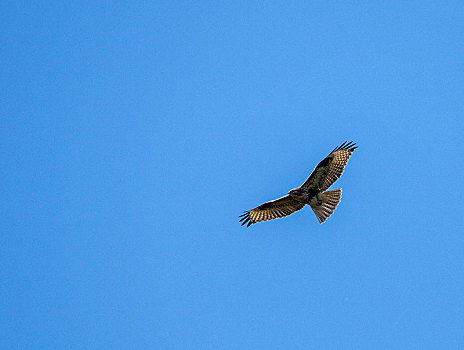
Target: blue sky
[{"x": 133, "y": 134}]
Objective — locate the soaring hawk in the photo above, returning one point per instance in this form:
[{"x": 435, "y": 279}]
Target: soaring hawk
[{"x": 312, "y": 192}]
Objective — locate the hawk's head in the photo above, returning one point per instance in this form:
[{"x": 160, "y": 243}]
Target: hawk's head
[{"x": 296, "y": 193}]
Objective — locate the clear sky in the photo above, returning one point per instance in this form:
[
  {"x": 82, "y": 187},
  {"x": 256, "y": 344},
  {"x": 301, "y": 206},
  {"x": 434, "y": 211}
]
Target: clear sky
[{"x": 133, "y": 134}]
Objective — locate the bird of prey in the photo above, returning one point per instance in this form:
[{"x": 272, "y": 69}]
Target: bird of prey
[{"x": 312, "y": 192}]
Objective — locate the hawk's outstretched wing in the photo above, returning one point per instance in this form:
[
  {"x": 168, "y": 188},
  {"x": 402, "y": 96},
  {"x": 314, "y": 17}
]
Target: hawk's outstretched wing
[
  {"x": 330, "y": 168},
  {"x": 277, "y": 208}
]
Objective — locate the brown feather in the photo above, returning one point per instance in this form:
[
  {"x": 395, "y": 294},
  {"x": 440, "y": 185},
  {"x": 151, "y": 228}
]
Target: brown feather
[
  {"x": 330, "y": 168},
  {"x": 330, "y": 200},
  {"x": 275, "y": 209}
]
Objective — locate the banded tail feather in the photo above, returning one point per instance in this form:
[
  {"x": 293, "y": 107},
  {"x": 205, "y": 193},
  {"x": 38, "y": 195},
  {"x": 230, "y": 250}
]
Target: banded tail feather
[{"x": 330, "y": 200}]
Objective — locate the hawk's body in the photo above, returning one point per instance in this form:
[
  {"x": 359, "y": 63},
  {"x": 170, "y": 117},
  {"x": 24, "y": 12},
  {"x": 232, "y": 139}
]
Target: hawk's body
[{"x": 311, "y": 192}]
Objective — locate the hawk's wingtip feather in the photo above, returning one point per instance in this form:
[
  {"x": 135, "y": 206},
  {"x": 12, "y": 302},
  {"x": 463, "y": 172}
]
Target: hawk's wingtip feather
[
  {"x": 245, "y": 217},
  {"x": 348, "y": 146}
]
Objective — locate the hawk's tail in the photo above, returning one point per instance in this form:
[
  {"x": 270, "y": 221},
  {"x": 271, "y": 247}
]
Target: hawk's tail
[{"x": 330, "y": 200}]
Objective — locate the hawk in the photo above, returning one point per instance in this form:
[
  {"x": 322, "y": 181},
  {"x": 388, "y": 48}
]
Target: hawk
[{"x": 312, "y": 192}]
